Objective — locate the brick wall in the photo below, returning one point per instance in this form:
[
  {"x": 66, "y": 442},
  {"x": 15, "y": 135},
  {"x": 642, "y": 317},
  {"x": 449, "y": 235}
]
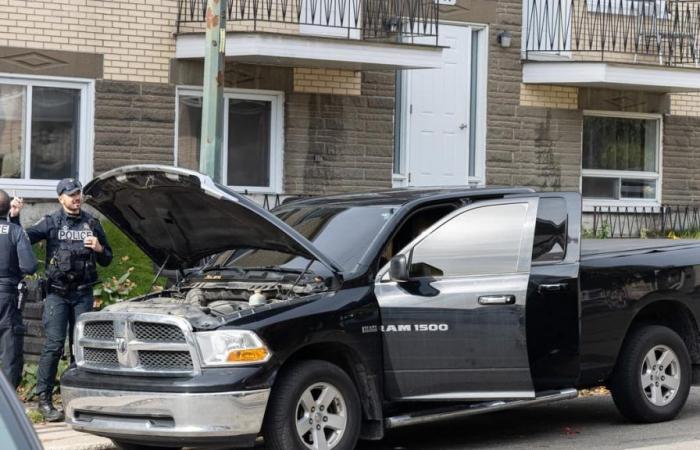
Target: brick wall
[
  {"x": 340, "y": 143},
  {"x": 686, "y": 104},
  {"x": 528, "y": 144},
  {"x": 134, "y": 123},
  {"x": 327, "y": 81},
  {"x": 546, "y": 96},
  {"x": 135, "y": 36},
  {"x": 681, "y": 160}
]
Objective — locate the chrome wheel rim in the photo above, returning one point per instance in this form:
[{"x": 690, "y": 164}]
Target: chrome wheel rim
[
  {"x": 660, "y": 375},
  {"x": 321, "y": 417}
]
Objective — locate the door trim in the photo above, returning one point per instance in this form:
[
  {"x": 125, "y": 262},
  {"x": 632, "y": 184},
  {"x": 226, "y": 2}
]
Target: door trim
[{"x": 471, "y": 395}]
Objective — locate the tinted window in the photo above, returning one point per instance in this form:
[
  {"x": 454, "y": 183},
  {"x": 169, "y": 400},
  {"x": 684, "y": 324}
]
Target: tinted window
[
  {"x": 342, "y": 233},
  {"x": 550, "y": 231},
  {"x": 481, "y": 241}
]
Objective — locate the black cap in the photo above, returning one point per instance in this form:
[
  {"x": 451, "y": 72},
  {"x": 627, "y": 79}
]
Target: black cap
[{"x": 68, "y": 186}]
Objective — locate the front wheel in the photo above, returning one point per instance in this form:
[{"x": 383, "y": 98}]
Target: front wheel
[
  {"x": 314, "y": 406},
  {"x": 652, "y": 378}
]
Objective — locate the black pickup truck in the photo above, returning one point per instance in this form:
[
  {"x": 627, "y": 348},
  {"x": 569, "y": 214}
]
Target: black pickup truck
[{"x": 333, "y": 319}]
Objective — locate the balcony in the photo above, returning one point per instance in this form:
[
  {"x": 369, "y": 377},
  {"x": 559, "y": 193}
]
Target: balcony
[
  {"x": 630, "y": 44},
  {"x": 338, "y": 34}
]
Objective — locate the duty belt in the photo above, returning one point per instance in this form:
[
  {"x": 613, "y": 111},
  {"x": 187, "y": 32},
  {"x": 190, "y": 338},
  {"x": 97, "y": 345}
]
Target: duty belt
[{"x": 4, "y": 289}]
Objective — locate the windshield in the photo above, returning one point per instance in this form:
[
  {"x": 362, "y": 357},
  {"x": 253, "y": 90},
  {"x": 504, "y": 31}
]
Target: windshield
[{"x": 342, "y": 233}]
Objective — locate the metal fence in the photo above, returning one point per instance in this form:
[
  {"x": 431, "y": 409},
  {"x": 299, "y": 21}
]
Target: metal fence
[
  {"x": 633, "y": 222},
  {"x": 370, "y": 19},
  {"x": 605, "y": 29}
]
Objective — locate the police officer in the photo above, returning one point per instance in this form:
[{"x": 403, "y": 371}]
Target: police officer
[
  {"x": 16, "y": 260},
  {"x": 75, "y": 241}
]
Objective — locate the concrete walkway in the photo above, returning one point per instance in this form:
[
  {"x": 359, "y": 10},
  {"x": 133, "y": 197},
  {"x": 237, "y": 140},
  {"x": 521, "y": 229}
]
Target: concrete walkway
[{"x": 59, "y": 436}]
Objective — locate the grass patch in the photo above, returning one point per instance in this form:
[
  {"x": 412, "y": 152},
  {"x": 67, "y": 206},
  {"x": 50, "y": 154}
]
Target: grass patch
[{"x": 35, "y": 416}]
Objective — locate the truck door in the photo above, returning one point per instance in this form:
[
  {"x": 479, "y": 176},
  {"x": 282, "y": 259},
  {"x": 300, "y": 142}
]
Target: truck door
[{"x": 455, "y": 330}]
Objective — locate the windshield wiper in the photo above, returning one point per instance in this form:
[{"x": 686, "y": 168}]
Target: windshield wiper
[{"x": 273, "y": 269}]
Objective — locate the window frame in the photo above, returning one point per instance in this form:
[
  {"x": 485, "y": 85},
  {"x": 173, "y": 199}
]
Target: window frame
[
  {"x": 525, "y": 253},
  {"x": 276, "y": 98},
  {"x": 36, "y": 188},
  {"x": 589, "y": 202}
]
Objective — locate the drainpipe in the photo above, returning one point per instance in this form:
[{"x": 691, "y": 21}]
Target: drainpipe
[{"x": 213, "y": 90}]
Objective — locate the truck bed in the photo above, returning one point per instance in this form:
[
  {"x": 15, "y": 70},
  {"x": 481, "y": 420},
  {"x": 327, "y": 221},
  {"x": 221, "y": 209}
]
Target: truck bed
[{"x": 593, "y": 248}]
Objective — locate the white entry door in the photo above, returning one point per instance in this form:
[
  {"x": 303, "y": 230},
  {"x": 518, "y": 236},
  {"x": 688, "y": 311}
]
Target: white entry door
[{"x": 437, "y": 114}]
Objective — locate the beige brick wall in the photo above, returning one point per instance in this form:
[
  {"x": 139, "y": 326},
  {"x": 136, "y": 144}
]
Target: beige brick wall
[
  {"x": 686, "y": 104},
  {"x": 327, "y": 81},
  {"x": 546, "y": 96},
  {"x": 135, "y": 36}
]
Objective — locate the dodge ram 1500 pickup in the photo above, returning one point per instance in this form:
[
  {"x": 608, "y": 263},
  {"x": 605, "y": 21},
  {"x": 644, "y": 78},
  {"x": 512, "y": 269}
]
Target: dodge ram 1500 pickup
[{"x": 335, "y": 318}]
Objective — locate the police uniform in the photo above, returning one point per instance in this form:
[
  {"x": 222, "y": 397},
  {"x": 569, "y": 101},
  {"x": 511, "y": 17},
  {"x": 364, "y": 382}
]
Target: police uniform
[
  {"x": 16, "y": 260},
  {"x": 71, "y": 272}
]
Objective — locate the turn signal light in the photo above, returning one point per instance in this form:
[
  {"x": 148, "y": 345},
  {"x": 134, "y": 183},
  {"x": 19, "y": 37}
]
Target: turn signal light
[{"x": 247, "y": 355}]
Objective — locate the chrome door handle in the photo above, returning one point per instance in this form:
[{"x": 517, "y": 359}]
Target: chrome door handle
[
  {"x": 556, "y": 287},
  {"x": 463, "y": 126},
  {"x": 497, "y": 300}
]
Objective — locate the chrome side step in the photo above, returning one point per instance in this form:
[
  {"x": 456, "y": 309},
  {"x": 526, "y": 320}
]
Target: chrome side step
[{"x": 435, "y": 415}]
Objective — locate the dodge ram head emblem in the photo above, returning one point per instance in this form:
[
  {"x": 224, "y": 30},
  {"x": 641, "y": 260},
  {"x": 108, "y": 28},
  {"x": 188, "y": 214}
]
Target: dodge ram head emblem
[{"x": 122, "y": 351}]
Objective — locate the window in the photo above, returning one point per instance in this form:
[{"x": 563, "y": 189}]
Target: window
[
  {"x": 252, "y": 146},
  {"x": 465, "y": 246},
  {"x": 550, "y": 231},
  {"x": 43, "y": 134},
  {"x": 621, "y": 158}
]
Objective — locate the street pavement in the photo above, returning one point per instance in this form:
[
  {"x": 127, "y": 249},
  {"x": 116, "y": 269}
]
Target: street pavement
[{"x": 588, "y": 422}]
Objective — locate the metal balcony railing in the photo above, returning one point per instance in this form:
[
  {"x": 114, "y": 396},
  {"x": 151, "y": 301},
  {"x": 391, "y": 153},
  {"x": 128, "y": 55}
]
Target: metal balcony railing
[
  {"x": 397, "y": 20},
  {"x": 665, "y": 32}
]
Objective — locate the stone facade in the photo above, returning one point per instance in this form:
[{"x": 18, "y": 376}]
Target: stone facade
[
  {"x": 534, "y": 131},
  {"x": 340, "y": 143}
]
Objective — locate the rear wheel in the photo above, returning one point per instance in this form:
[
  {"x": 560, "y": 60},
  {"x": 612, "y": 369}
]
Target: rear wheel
[
  {"x": 652, "y": 378},
  {"x": 314, "y": 406}
]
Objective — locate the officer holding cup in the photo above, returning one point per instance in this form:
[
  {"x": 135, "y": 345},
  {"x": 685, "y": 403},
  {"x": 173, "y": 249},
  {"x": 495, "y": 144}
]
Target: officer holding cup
[{"x": 75, "y": 242}]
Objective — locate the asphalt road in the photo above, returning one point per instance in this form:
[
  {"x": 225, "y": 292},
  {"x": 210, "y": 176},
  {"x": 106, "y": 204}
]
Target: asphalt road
[{"x": 589, "y": 422}]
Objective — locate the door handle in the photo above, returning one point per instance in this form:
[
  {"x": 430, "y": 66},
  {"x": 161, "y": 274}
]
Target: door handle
[
  {"x": 556, "y": 287},
  {"x": 497, "y": 300},
  {"x": 463, "y": 126}
]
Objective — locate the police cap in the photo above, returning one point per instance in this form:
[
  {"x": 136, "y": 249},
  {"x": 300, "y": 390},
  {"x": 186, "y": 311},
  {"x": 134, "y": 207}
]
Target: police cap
[{"x": 68, "y": 186}]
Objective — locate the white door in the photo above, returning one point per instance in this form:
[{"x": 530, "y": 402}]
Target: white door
[{"x": 438, "y": 114}]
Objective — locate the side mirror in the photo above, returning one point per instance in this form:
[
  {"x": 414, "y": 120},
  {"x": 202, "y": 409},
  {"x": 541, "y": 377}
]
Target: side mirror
[{"x": 398, "y": 268}]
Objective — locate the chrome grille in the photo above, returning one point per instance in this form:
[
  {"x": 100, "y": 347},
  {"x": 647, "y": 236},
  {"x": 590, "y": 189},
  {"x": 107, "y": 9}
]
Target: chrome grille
[
  {"x": 157, "y": 332},
  {"x": 158, "y": 360},
  {"x": 99, "y": 330},
  {"x": 136, "y": 343},
  {"x": 100, "y": 357}
]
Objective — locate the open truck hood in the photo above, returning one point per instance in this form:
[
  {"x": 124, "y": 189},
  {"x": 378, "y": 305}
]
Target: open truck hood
[{"x": 182, "y": 216}]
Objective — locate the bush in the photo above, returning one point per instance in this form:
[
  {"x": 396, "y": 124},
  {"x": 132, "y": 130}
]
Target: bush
[{"x": 114, "y": 290}]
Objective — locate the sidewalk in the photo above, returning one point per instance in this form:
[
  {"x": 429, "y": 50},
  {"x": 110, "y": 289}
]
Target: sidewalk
[{"x": 59, "y": 436}]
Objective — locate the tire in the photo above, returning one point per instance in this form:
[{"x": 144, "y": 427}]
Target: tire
[
  {"x": 644, "y": 390},
  {"x": 301, "y": 394}
]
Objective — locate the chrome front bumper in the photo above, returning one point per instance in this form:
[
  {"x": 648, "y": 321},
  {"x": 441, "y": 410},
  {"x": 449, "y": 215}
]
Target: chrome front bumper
[{"x": 165, "y": 415}]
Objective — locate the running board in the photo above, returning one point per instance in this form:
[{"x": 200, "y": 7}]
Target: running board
[{"x": 435, "y": 415}]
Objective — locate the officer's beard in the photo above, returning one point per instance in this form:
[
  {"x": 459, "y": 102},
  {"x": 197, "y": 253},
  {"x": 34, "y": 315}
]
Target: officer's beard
[{"x": 71, "y": 206}]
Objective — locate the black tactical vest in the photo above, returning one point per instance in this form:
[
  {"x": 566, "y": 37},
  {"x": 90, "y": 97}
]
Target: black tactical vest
[{"x": 68, "y": 261}]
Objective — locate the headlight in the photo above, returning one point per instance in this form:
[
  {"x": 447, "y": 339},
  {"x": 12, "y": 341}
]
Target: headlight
[{"x": 231, "y": 347}]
